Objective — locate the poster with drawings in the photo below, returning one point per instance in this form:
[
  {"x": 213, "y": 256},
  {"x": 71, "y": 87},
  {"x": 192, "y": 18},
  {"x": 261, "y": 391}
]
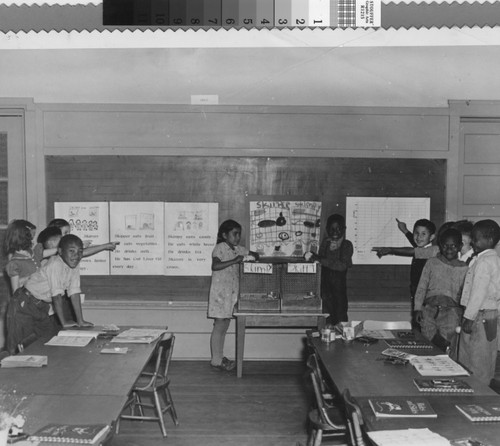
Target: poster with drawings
[
  {"x": 190, "y": 236},
  {"x": 371, "y": 222},
  {"x": 138, "y": 226},
  {"x": 284, "y": 227},
  {"x": 89, "y": 221}
]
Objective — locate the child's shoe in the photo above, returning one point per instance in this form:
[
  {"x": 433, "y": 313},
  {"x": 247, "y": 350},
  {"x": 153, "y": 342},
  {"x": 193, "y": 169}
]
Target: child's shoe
[{"x": 226, "y": 365}]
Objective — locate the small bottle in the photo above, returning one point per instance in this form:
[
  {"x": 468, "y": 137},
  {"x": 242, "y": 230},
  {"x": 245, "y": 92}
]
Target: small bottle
[{"x": 326, "y": 335}]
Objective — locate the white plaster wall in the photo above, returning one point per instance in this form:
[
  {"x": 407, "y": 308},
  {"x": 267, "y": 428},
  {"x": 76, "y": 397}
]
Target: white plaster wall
[{"x": 356, "y": 76}]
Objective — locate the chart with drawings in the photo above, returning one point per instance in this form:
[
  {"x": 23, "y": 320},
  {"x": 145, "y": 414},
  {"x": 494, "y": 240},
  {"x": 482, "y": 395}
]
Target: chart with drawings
[
  {"x": 284, "y": 228},
  {"x": 371, "y": 221}
]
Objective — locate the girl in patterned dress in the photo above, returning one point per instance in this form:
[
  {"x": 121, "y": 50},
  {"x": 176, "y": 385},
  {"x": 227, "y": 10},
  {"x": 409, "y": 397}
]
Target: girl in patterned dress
[{"x": 224, "y": 288}]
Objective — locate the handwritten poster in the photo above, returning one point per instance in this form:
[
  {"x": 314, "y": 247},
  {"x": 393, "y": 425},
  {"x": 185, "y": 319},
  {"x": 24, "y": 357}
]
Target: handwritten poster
[
  {"x": 138, "y": 226},
  {"x": 371, "y": 222},
  {"x": 90, "y": 222},
  {"x": 190, "y": 236},
  {"x": 284, "y": 228}
]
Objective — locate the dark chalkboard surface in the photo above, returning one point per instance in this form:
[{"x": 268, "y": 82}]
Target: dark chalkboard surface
[{"x": 229, "y": 181}]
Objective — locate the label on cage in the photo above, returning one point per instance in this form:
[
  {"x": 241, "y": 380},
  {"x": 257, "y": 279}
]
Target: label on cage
[
  {"x": 301, "y": 268},
  {"x": 258, "y": 268}
]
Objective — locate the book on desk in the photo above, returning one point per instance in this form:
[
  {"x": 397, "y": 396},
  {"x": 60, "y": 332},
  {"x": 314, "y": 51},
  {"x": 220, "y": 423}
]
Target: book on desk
[
  {"x": 401, "y": 407},
  {"x": 408, "y": 343},
  {"x": 443, "y": 385},
  {"x": 138, "y": 336},
  {"x": 71, "y": 433},
  {"x": 480, "y": 412},
  {"x": 15, "y": 361}
]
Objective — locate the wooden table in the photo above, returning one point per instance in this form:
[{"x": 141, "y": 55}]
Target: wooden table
[
  {"x": 358, "y": 368},
  {"x": 354, "y": 366},
  {"x": 78, "y": 370},
  {"x": 450, "y": 423},
  {"x": 79, "y": 384},
  {"x": 275, "y": 320}
]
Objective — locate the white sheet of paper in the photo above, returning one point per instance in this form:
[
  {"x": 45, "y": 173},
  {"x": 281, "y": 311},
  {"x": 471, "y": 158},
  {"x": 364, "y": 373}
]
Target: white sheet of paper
[
  {"x": 90, "y": 222},
  {"x": 138, "y": 226}
]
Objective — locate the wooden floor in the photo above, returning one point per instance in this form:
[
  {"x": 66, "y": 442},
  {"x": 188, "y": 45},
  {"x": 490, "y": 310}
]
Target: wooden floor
[{"x": 267, "y": 407}]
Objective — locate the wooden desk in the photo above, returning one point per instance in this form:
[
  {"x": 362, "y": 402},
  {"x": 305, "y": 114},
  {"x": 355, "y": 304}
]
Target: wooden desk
[
  {"x": 78, "y": 370},
  {"x": 39, "y": 410},
  {"x": 450, "y": 423},
  {"x": 251, "y": 319},
  {"x": 355, "y": 366},
  {"x": 79, "y": 384}
]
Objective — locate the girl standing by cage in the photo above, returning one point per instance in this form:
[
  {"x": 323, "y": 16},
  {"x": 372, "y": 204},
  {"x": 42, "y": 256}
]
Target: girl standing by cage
[{"x": 224, "y": 288}]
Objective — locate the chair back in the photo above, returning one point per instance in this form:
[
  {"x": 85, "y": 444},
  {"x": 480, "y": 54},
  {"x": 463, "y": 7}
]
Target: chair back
[
  {"x": 162, "y": 356},
  {"x": 354, "y": 419},
  {"x": 313, "y": 364},
  {"x": 322, "y": 406}
]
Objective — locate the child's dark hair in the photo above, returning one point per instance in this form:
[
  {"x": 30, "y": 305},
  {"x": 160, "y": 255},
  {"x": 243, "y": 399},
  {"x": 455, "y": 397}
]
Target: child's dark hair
[
  {"x": 489, "y": 229},
  {"x": 59, "y": 223},
  {"x": 335, "y": 218},
  {"x": 464, "y": 226},
  {"x": 18, "y": 236},
  {"x": 452, "y": 233},
  {"x": 427, "y": 224},
  {"x": 225, "y": 227},
  {"x": 69, "y": 239},
  {"x": 48, "y": 233}
]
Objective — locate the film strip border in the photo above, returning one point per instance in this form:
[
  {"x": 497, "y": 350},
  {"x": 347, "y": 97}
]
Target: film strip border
[{"x": 92, "y": 17}]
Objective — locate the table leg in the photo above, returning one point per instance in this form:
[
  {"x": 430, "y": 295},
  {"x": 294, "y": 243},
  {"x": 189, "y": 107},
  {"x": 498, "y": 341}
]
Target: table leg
[{"x": 241, "y": 322}]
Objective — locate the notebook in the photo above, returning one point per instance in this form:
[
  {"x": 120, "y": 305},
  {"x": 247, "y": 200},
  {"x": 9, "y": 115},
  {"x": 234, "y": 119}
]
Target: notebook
[
  {"x": 408, "y": 343},
  {"x": 480, "y": 412},
  {"x": 401, "y": 407},
  {"x": 444, "y": 385},
  {"x": 71, "y": 433}
]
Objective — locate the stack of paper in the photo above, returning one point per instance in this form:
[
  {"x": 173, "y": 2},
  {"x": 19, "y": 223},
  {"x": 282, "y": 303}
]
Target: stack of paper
[
  {"x": 73, "y": 338},
  {"x": 408, "y": 437},
  {"x": 23, "y": 361},
  {"x": 138, "y": 336}
]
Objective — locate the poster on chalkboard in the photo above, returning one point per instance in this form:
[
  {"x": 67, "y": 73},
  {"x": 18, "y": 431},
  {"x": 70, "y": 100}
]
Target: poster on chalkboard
[
  {"x": 138, "y": 226},
  {"x": 284, "y": 228},
  {"x": 90, "y": 222},
  {"x": 371, "y": 222},
  {"x": 190, "y": 236}
]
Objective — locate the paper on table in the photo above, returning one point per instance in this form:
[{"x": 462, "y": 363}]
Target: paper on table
[
  {"x": 408, "y": 437},
  {"x": 69, "y": 341}
]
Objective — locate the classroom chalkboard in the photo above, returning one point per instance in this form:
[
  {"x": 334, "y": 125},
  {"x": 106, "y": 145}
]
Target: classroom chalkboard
[{"x": 229, "y": 181}]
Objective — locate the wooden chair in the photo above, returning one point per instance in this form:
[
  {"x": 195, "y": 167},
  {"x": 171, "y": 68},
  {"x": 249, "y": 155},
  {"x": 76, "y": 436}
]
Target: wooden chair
[
  {"x": 354, "y": 419},
  {"x": 314, "y": 365},
  {"x": 327, "y": 421},
  {"x": 155, "y": 387}
]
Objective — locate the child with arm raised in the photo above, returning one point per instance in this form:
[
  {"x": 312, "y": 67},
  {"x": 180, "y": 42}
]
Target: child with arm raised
[
  {"x": 29, "y": 311},
  {"x": 224, "y": 288}
]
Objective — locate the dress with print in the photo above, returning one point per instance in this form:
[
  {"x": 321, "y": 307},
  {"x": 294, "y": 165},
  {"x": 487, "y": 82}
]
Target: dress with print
[{"x": 225, "y": 284}]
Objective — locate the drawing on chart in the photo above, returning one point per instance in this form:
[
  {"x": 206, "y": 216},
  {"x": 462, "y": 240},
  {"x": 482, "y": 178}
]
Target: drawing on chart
[
  {"x": 192, "y": 220},
  {"x": 284, "y": 228},
  {"x": 371, "y": 222}
]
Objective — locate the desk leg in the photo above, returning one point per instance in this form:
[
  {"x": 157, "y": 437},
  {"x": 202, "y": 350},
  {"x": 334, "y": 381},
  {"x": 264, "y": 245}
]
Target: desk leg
[
  {"x": 321, "y": 322},
  {"x": 241, "y": 322}
]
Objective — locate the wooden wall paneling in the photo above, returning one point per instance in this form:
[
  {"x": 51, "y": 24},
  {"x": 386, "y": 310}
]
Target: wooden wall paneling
[{"x": 291, "y": 128}]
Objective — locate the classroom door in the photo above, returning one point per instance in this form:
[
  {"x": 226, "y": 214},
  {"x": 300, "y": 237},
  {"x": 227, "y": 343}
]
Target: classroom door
[{"x": 12, "y": 187}]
